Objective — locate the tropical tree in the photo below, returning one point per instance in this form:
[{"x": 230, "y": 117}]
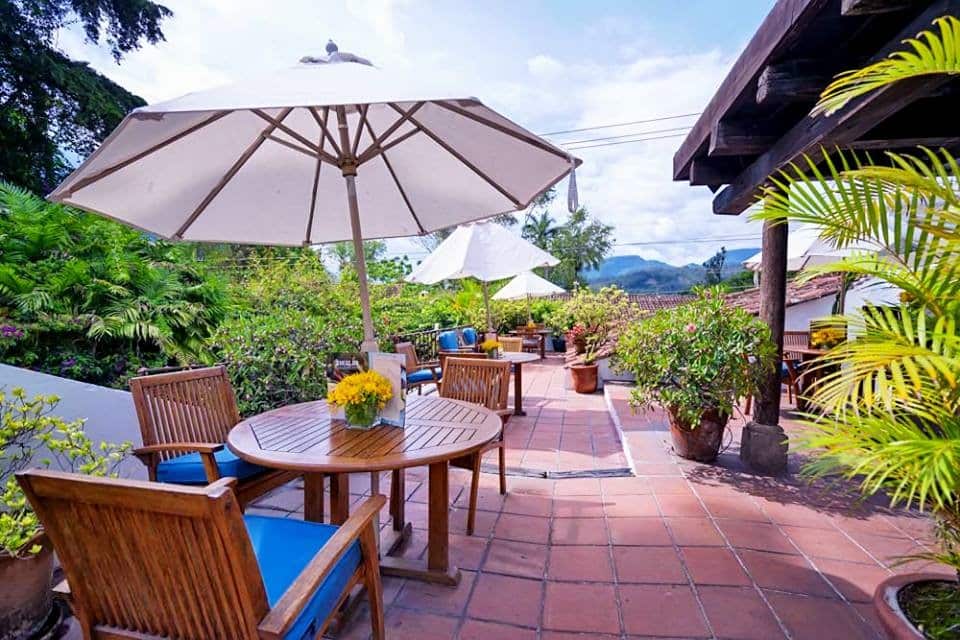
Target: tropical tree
[
  {"x": 540, "y": 229},
  {"x": 53, "y": 108},
  {"x": 582, "y": 243},
  {"x": 889, "y": 400}
]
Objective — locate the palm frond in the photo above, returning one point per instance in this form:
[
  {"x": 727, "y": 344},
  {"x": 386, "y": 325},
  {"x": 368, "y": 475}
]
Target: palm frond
[{"x": 928, "y": 54}]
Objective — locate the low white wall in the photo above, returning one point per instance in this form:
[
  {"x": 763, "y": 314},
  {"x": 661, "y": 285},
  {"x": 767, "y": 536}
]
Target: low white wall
[{"x": 109, "y": 413}]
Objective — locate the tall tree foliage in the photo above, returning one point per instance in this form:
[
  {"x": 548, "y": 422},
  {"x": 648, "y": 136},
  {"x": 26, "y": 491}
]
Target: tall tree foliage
[
  {"x": 581, "y": 243},
  {"x": 53, "y": 108},
  {"x": 890, "y": 400}
]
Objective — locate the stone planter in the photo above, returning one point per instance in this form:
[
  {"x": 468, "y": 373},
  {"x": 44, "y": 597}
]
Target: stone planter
[
  {"x": 702, "y": 441},
  {"x": 584, "y": 377},
  {"x": 26, "y": 598},
  {"x": 887, "y": 605}
]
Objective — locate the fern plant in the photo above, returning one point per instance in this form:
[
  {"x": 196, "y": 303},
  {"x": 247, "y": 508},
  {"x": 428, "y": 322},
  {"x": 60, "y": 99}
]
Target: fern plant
[{"x": 889, "y": 400}]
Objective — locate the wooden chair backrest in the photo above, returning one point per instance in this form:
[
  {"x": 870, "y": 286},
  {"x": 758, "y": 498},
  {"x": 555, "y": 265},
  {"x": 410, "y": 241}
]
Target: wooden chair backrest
[
  {"x": 473, "y": 355},
  {"x": 512, "y": 344},
  {"x": 794, "y": 339},
  {"x": 480, "y": 381},
  {"x": 195, "y": 405},
  {"x": 149, "y": 560},
  {"x": 410, "y": 352}
]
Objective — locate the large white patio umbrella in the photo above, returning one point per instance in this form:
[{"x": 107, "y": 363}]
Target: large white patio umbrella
[
  {"x": 485, "y": 251},
  {"x": 333, "y": 149},
  {"x": 525, "y": 286}
]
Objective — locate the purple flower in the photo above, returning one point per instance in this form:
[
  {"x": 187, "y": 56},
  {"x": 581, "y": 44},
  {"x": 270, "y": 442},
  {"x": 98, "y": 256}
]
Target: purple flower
[
  {"x": 9, "y": 331},
  {"x": 69, "y": 362}
]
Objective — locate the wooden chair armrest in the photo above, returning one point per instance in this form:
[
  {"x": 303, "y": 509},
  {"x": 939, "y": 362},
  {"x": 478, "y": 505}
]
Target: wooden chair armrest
[
  {"x": 279, "y": 619},
  {"x": 147, "y": 454}
]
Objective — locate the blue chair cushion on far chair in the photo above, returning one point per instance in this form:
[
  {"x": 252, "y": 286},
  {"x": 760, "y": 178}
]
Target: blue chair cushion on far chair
[
  {"x": 188, "y": 468},
  {"x": 283, "y": 548},
  {"x": 424, "y": 375},
  {"x": 470, "y": 336},
  {"x": 448, "y": 341}
]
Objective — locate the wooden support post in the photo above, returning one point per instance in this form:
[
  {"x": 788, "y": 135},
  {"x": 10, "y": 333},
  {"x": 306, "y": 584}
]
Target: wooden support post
[{"x": 773, "y": 296}]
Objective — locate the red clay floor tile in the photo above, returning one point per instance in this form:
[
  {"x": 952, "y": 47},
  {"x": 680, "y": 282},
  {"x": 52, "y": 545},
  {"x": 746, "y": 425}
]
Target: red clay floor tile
[
  {"x": 581, "y": 607},
  {"x": 785, "y": 573},
  {"x": 739, "y": 612},
  {"x": 638, "y": 531},
  {"x": 506, "y": 599},
  {"x": 656, "y": 610},
  {"x": 659, "y": 565},
  {"x": 818, "y": 619},
  {"x": 523, "y": 559},
  {"x": 580, "y": 564},
  {"x": 716, "y": 566}
]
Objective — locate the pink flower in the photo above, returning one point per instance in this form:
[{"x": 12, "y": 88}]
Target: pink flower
[{"x": 691, "y": 328}]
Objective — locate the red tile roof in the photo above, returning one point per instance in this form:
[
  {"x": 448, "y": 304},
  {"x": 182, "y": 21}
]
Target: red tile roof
[{"x": 813, "y": 289}]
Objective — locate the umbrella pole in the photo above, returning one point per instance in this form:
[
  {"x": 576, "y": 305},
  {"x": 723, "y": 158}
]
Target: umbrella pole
[
  {"x": 529, "y": 311},
  {"x": 486, "y": 303},
  {"x": 369, "y": 341}
]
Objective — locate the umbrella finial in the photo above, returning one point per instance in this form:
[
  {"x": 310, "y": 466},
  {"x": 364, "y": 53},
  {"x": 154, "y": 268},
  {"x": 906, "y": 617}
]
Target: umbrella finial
[{"x": 332, "y": 46}]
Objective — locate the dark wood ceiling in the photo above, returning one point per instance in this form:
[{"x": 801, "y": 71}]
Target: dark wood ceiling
[{"x": 759, "y": 119}]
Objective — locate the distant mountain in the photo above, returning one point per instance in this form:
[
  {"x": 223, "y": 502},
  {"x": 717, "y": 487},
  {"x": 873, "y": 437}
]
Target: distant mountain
[{"x": 634, "y": 273}]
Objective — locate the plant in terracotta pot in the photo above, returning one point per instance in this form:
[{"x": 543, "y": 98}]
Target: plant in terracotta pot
[
  {"x": 695, "y": 361},
  {"x": 29, "y": 432},
  {"x": 889, "y": 407},
  {"x": 578, "y": 338},
  {"x": 585, "y": 372}
]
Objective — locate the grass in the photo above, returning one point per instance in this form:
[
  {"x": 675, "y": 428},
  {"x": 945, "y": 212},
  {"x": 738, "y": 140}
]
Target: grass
[{"x": 933, "y": 607}]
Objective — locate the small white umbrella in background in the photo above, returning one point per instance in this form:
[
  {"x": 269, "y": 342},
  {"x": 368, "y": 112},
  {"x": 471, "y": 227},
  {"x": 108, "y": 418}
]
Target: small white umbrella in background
[
  {"x": 332, "y": 149},
  {"x": 527, "y": 285},
  {"x": 485, "y": 251}
]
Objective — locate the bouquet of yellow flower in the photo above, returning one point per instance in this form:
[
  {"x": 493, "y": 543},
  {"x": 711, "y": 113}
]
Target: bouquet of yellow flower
[
  {"x": 489, "y": 345},
  {"x": 827, "y": 337},
  {"x": 361, "y": 395}
]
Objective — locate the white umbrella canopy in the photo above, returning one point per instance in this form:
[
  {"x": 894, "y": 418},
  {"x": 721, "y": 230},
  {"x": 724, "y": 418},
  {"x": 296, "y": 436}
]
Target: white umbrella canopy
[
  {"x": 333, "y": 149},
  {"x": 527, "y": 285},
  {"x": 485, "y": 251},
  {"x": 805, "y": 248}
]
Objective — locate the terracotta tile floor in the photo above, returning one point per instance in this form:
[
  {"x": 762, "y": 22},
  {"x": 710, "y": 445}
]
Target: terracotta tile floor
[{"x": 679, "y": 550}]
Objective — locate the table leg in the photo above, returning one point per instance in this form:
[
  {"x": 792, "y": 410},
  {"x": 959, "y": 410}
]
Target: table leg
[
  {"x": 438, "y": 569},
  {"x": 313, "y": 497},
  {"x": 518, "y": 390},
  {"x": 543, "y": 346},
  {"x": 398, "y": 497},
  {"x": 339, "y": 498}
]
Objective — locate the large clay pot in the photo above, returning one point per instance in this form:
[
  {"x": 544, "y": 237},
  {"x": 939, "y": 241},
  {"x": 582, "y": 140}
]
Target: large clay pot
[
  {"x": 26, "y": 598},
  {"x": 584, "y": 377},
  {"x": 700, "y": 442},
  {"x": 887, "y": 605}
]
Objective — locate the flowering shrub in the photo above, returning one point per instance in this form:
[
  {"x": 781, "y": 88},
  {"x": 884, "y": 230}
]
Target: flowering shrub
[
  {"x": 26, "y": 426},
  {"x": 695, "y": 357},
  {"x": 367, "y": 388}
]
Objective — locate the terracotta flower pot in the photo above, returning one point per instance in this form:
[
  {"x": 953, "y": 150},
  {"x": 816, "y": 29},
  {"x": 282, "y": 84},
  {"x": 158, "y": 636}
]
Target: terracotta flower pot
[
  {"x": 700, "y": 442},
  {"x": 584, "y": 377},
  {"x": 25, "y": 599},
  {"x": 887, "y": 604}
]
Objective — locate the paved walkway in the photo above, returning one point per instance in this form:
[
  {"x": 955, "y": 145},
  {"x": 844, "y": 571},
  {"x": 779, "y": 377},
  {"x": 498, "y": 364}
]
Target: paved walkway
[{"x": 681, "y": 550}]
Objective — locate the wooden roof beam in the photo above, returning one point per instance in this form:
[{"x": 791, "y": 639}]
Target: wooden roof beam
[
  {"x": 773, "y": 38},
  {"x": 709, "y": 172},
  {"x": 791, "y": 82},
  {"x": 870, "y": 7},
  {"x": 811, "y": 134},
  {"x": 738, "y": 139}
]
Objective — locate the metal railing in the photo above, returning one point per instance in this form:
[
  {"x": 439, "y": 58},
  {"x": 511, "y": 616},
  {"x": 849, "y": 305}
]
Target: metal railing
[{"x": 425, "y": 342}]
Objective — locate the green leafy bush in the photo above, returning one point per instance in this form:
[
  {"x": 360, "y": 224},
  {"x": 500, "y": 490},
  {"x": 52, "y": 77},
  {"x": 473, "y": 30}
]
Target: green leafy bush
[
  {"x": 698, "y": 356},
  {"x": 29, "y": 429},
  {"x": 94, "y": 300}
]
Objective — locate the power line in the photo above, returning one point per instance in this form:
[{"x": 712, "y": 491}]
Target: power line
[
  {"x": 621, "y": 124},
  {"x": 613, "y": 144},
  {"x": 629, "y": 135}
]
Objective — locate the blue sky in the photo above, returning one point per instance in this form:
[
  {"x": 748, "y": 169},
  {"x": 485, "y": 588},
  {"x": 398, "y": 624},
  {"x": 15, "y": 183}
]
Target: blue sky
[{"x": 548, "y": 65}]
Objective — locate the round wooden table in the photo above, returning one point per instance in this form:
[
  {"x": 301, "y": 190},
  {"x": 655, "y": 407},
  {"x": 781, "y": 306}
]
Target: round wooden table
[
  {"x": 517, "y": 358},
  {"x": 303, "y": 437}
]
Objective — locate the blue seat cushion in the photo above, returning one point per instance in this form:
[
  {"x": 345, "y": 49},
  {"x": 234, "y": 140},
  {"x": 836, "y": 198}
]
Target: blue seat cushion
[
  {"x": 188, "y": 468},
  {"x": 424, "y": 375},
  {"x": 283, "y": 548},
  {"x": 448, "y": 341},
  {"x": 470, "y": 336}
]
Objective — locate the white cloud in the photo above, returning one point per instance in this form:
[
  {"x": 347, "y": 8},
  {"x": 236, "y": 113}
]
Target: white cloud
[{"x": 543, "y": 83}]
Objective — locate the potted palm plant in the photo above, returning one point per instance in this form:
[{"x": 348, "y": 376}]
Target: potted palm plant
[
  {"x": 695, "y": 360},
  {"x": 27, "y": 427},
  {"x": 889, "y": 414}
]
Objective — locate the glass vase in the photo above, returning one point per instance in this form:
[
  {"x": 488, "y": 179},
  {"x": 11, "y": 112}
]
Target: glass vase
[{"x": 361, "y": 416}]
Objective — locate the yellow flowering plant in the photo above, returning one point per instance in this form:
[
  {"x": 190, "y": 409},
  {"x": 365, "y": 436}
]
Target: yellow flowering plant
[
  {"x": 489, "y": 345},
  {"x": 361, "y": 396}
]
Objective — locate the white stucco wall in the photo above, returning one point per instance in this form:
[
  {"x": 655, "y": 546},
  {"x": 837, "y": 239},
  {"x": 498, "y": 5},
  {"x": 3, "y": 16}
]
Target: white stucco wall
[
  {"x": 797, "y": 317},
  {"x": 109, "y": 413}
]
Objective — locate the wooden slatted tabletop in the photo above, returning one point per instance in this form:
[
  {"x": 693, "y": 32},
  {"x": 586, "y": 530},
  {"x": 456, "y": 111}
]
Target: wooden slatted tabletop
[{"x": 303, "y": 437}]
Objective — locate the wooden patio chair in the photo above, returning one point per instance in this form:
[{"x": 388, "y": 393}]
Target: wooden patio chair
[
  {"x": 443, "y": 355},
  {"x": 790, "y": 372},
  {"x": 185, "y": 417},
  {"x": 512, "y": 344},
  {"x": 418, "y": 373},
  {"x": 148, "y": 561},
  {"x": 485, "y": 382}
]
